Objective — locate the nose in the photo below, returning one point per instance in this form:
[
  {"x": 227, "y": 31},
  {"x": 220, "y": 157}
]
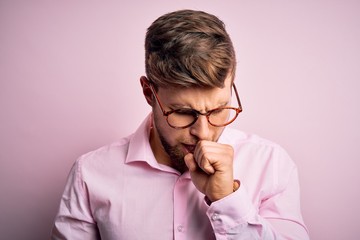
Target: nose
[{"x": 200, "y": 128}]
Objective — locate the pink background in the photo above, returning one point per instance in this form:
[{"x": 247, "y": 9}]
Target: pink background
[{"x": 69, "y": 83}]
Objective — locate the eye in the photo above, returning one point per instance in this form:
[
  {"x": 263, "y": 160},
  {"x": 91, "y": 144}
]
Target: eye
[
  {"x": 218, "y": 111},
  {"x": 185, "y": 112}
]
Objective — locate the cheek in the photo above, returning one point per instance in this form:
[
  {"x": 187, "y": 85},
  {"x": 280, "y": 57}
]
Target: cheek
[{"x": 174, "y": 137}]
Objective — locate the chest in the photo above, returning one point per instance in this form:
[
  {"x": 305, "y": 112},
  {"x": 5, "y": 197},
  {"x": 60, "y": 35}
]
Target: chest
[{"x": 165, "y": 206}]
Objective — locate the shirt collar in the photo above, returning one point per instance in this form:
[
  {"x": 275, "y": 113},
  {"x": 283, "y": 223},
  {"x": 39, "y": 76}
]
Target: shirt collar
[
  {"x": 140, "y": 149},
  {"x": 139, "y": 146}
]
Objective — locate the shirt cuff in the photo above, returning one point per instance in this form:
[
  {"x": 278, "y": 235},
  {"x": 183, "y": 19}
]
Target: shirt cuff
[{"x": 231, "y": 211}]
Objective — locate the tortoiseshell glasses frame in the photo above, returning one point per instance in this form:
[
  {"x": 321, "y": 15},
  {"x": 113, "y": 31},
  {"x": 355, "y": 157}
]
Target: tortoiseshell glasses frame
[{"x": 192, "y": 115}]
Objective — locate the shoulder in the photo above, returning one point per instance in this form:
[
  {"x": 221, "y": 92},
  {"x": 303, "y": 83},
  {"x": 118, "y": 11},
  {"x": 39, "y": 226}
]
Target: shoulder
[
  {"x": 235, "y": 137},
  {"x": 257, "y": 148},
  {"x": 259, "y": 161},
  {"x": 103, "y": 159}
]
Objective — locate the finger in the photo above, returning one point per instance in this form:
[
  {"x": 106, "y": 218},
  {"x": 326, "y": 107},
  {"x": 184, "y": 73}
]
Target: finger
[
  {"x": 202, "y": 155},
  {"x": 207, "y": 167},
  {"x": 190, "y": 162},
  {"x": 199, "y": 151},
  {"x": 203, "y": 161},
  {"x": 205, "y": 147}
]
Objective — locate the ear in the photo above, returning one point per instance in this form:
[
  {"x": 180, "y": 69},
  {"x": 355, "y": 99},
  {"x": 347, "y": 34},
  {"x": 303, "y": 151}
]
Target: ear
[{"x": 145, "y": 84}]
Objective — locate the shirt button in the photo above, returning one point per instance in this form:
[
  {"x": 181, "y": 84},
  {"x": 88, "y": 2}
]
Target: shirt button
[
  {"x": 215, "y": 217},
  {"x": 180, "y": 228}
]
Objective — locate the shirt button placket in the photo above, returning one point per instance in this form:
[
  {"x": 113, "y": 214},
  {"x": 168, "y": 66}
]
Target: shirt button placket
[
  {"x": 180, "y": 233},
  {"x": 180, "y": 228},
  {"x": 180, "y": 209}
]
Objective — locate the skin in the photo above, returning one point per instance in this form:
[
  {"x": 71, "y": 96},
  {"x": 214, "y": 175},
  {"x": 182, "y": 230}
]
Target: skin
[{"x": 194, "y": 148}]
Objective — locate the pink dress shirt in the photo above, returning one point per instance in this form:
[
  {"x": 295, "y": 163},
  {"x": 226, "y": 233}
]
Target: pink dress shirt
[{"x": 120, "y": 192}]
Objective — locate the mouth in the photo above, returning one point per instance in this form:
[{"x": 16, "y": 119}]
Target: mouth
[{"x": 189, "y": 148}]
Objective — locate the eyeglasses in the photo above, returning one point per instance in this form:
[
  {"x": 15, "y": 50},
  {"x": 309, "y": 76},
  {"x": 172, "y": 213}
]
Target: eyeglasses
[{"x": 185, "y": 117}]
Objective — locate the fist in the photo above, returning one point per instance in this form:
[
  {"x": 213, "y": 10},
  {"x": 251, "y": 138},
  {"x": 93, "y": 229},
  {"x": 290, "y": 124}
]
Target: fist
[{"x": 211, "y": 169}]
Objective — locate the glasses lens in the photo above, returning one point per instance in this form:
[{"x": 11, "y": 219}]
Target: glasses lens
[
  {"x": 222, "y": 116},
  {"x": 182, "y": 118}
]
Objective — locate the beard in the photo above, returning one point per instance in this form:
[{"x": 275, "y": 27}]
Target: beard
[{"x": 175, "y": 153}]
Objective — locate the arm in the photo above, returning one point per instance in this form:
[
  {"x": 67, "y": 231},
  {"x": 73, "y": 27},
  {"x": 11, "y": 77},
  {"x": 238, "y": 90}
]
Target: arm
[
  {"x": 74, "y": 219},
  {"x": 277, "y": 217},
  {"x": 233, "y": 215}
]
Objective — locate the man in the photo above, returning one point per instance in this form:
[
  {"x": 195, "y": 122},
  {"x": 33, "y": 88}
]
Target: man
[{"x": 183, "y": 174}]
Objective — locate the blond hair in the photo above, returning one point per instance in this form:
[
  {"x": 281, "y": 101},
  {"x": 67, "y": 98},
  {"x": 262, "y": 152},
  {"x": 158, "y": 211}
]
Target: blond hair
[{"x": 188, "y": 48}]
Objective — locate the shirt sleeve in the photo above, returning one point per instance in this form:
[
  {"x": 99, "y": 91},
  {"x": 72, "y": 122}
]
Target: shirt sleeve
[
  {"x": 74, "y": 219},
  {"x": 277, "y": 217}
]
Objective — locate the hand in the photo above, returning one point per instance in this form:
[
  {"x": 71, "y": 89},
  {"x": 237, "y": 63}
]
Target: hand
[{"x": 211, "y": 169}]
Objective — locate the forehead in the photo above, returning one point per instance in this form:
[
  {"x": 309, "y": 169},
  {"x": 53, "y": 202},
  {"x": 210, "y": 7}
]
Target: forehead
[{"x": 201, "y": 99}]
